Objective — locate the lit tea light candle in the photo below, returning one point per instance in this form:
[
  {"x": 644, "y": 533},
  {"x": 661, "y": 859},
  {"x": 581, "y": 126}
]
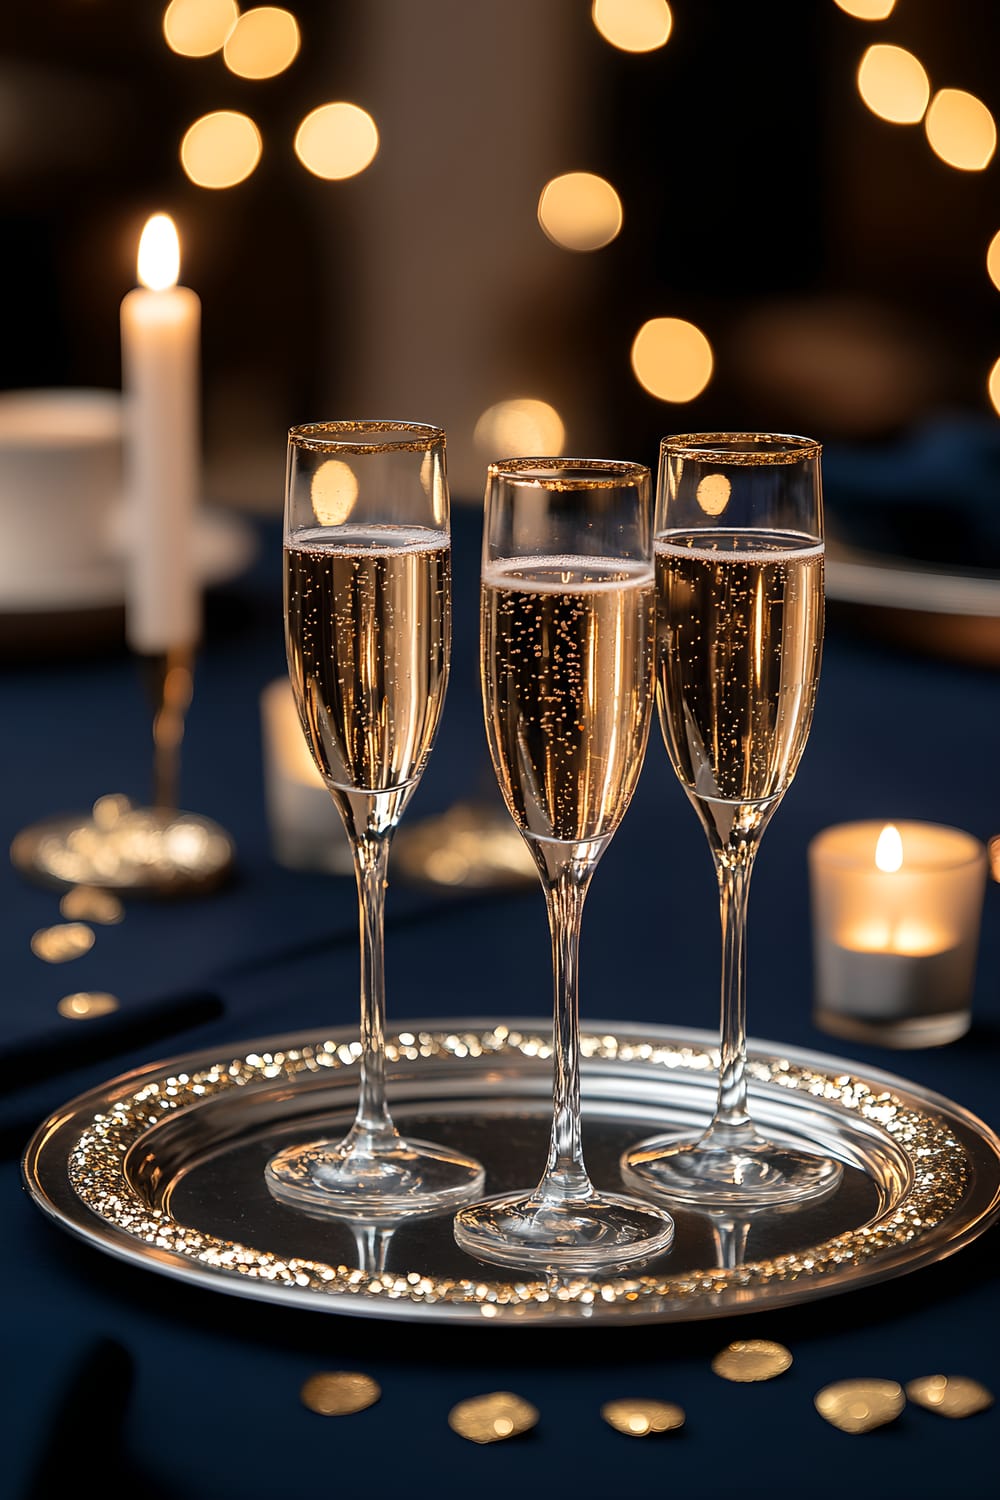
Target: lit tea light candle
[
  {"x": 896, "y": 915},
  {"x": 160, "y": 338}
]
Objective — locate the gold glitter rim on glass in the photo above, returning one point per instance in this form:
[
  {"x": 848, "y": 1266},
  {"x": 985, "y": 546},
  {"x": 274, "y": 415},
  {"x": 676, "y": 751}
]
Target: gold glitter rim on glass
[
  {"x": 96, "y": 1169},
  {"x": 745, "y": 449},
  {"x": 347, "y": 436},
  {"x": 567, "y": 474}
]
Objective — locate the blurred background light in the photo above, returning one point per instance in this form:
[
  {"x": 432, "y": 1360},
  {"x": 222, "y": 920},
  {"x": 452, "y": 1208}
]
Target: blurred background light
[
  {"x": 580, "y": 211},
  {"x": 197, "y": 28},
  {"x": 520, "y": 428},
  {"x": 337, "y": 140},
  {"x": 961, "y": 130},
  {"x": 894, "y": 84},
  {"x": 333, "y": 492},
  {"x": 867, "y": 10},
  {"x": 713, "y": 493},
  {"x": 672, "y": 359},
  {"x": 993, "y": 260},
  {"x": 994, "y": 387},
  {"x": 221, "y": 149},
  {"x": 263, "y": 43},
  {"x": 633, "y": 25}
]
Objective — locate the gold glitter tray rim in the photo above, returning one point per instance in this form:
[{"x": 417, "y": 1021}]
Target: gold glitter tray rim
[{"x": 75, "y": 1169}]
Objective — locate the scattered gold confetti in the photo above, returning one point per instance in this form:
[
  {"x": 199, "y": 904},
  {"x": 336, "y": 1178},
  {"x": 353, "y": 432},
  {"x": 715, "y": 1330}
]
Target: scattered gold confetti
[
  {"x": 951, "y": 1395},
  {"x": 860, "y": 1405},
  {"x": 88, "y": 903},
  {"x": 87, "y": 1005},
  {"x": 338, "y": 1393},
  {"x": 65, "y": 941},
  {"x": 641, "y": 1418},
  {"x": 752, "y": 1359},
  {"x": 490, "y": 1418}
]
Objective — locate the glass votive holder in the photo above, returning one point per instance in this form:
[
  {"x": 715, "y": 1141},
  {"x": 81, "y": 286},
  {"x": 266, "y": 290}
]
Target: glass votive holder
[
  {"x": 307, "y": 832},
  {"x": 896, "y": 913}
]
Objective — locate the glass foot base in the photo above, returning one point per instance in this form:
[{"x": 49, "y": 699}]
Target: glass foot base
[
  {"x": 598, "y": 1233},
  {"x": 404, "y": 1180},
  {"x": 698, "y": 1173}
]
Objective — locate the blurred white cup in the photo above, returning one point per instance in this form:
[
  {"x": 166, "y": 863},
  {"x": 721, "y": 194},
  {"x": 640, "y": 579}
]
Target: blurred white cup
[{"x": 60, "y": 486}]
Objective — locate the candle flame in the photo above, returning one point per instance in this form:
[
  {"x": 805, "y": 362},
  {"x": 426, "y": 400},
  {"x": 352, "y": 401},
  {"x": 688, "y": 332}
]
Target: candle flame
[
  {"x": 889, "y": 850},
  {"x": 159, "y": 259}
]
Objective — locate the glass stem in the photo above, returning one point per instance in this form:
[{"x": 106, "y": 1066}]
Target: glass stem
[
  {"x": 734, "y": 866},
  {"x": 372, "y": 1126},
  {"x": 565, "y": 892}
]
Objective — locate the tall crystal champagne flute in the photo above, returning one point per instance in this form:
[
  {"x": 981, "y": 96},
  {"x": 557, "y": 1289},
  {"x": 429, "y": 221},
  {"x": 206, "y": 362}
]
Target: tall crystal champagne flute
[
  {"x": 367, "y": 553},
  {"x": 567, "y": 632},
  {"x": 740, "y": 609}
]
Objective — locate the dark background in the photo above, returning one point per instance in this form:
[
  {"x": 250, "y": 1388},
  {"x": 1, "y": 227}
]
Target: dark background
[{"x": 836, "y": 263}]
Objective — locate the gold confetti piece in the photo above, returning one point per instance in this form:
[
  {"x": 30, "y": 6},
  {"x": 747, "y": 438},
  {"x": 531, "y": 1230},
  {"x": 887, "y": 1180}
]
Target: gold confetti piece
[
  {"x": 951, "y": 1395},
  {"x": 338, "y": 1393},
  {"x": 58, "y": 944},
  {"x": 641, "y": 1418},
  {"x": 87, "y": 1005},
  {"x": 860, "y": 1405},
  {"x": 491, "y": 1418},
  {"x": 88, "y": 903},
  {"x": 752, "y": 1359}
]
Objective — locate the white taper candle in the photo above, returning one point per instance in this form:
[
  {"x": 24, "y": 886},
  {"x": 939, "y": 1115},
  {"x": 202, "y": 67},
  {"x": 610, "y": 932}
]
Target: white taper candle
[{"x": 160, "y": 338}]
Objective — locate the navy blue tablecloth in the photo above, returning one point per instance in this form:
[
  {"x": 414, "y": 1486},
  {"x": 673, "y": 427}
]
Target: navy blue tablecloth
[{"x": 124, "y": 1377}]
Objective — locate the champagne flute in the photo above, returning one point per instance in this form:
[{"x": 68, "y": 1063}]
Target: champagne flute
[
  {"x": 740, "y": 608},
  {"x": 367, "y": 552},
  {"x": 566, "y": 638}
]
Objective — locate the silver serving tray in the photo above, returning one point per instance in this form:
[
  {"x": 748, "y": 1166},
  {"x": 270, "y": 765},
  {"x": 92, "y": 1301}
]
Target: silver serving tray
[{"x": 164, "y": 1167}]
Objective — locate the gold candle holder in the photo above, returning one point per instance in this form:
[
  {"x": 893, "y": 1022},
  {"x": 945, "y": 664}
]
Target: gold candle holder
[{"x": 157, "y": 850}]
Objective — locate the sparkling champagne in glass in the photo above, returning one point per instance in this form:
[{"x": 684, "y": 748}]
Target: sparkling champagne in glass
[
  {"x": 740, "y": 607},
  {"x": 367, "y": 557},
  {"x": 567, "y": 630}
]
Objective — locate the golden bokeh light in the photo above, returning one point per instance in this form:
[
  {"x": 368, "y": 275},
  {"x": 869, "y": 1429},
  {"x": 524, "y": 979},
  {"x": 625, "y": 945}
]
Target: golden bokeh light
[
  {"x": 580, "y": 211},
  {"x": 867, "y": 10},
  {"x": 993, "y": 260},
  {"x": 672, "y": 359},
  {"x": 221, "y": 149},
  {"x": 994, "y": 387},
  {"x": 333, "y": 492},
  {"x": 713, "y": 493},
  {"x": 263, "y": 43},
  {"x": 961, "y": 130},
  {"x": 633, "y": 25},
  {"x": 158, "y": 262},
  {"x": 197, "y": 28},
  {"x": 520, "y": 428},
  {"x": 894, "y": 84},
  {"x": 337, "y": 140}
]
